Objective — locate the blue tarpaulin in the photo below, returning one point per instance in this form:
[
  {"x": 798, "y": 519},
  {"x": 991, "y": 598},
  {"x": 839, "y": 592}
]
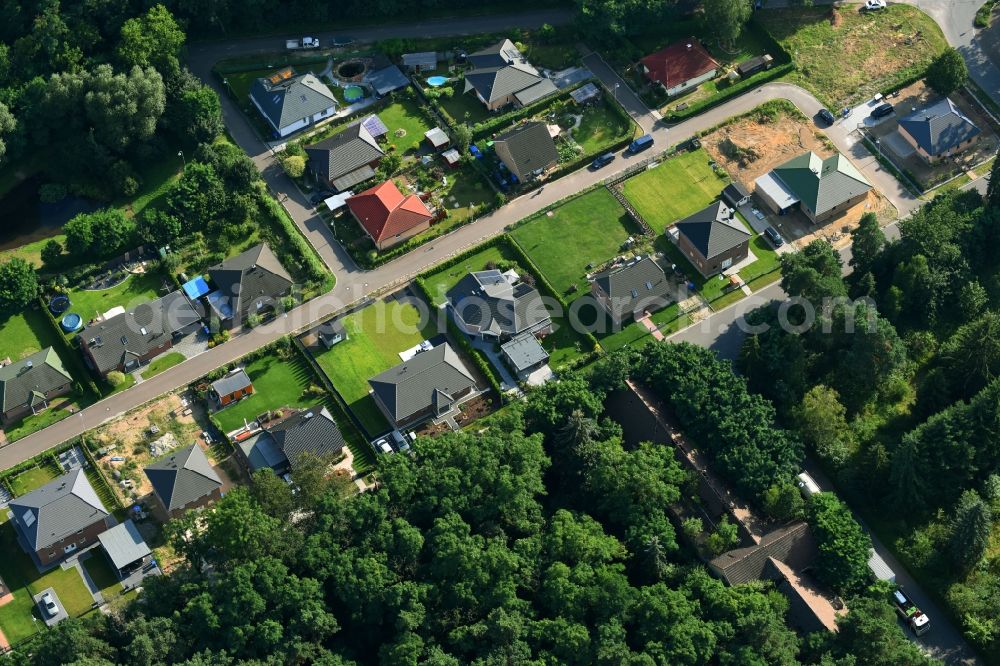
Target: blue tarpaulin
[{"x": 196, "y": 288}]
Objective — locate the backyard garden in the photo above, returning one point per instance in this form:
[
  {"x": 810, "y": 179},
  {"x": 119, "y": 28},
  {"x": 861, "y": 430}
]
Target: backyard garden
[{"x": 678, "y": 187}]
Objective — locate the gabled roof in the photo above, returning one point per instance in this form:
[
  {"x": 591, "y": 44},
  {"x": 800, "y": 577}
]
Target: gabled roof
[
  {"x": 234, "y": 381},
  {"x": 429, "y": 379},
  {"x": 423, "y": 59},
  {"x": 182, "y": 477},
  {"x": 386, "y": 79},
  {"x": 939, "y": 127},
  {"x": 734, "y": 192},
  {"x": 792, "y": 544},
  {"x": 40, "y": 372},
  {"x": 526, "y": 148},
  {"x": 255, "y": 274},
  {"x": 133, "y": 334},
  {"x": 344, "y": 159},
  {"x": 124, "y": 544},
  {"x": 822, "y": 184},
  {"x": 639, "y": 283},
  {"x": 384, "y": 212},
  {"x": 285, "y": 98},
  {"x": 311, "y": 430},
  {"x": 498, "y": 71},
  {"x": 375, "y": 126},
  {"x": 489, "y": 300},
  {"x": 679, "y": 62},
  {"x": 58, "y": 509},
  {"x": 714, "y": 229}
]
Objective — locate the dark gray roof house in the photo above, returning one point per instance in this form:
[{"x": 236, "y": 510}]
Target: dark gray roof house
[
  {"x": 939, "y": 128},
  {"x": 383, "y": 80},
  {"x": 347, "y": 158},
  {"x": 429, "y": 384},
  {"x": 714, "y": 230},
  {"x": 527, "y": 150},
  {"x": 57, "y": 510},
  {"x": 25, "y": 385},
  {"x": 501, "y": 75},
  {"x": 423, "y": 61},
  {"x": 280, "y": 446},
  {"x": 290, "y": 101},
  {"x": 183, "y": 478},
  {"x": 131, "y": 338},
  {"x": 497, "y": 304},
  {"x": 231, "y": 383},
  {"x": 250, "y": 282},
  {"x": 792, "y": 544},
  {"x": 638, "y": 285}
]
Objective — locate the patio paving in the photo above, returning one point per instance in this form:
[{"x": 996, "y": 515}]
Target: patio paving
[{"x": 58, "y": 617}]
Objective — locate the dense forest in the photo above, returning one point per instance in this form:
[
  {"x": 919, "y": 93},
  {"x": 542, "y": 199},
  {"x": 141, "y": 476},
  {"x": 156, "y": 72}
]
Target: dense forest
[
  {"x": 904, "y": 411},
  {"x": 538, "y": 539}
]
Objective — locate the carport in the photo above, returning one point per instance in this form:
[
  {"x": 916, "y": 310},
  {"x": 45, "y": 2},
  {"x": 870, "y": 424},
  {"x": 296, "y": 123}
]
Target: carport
[
  {"x": 774, "y": 193},
  {"x": 125, "y": 547}
]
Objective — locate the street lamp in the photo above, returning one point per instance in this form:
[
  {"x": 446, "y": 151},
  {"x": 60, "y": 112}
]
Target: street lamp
[
  {"x": 878, "y": 146},
  {"x": 180, "y": 154},
  {"x": 616, "y": 92}
]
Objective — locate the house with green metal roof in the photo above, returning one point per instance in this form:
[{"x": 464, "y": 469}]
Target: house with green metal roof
[
  {"x": 27, "y": 386},
  {"x": 820, "y": 188}
]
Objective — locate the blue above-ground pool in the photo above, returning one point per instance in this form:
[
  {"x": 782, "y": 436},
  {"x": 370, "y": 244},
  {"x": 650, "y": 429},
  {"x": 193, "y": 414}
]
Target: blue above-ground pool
[
  {"x": 71, "y": 323},
  {"x": 353, "y": 93},
  {"x": 437, "y": 81},
  {"x": 59, "y": 304}
]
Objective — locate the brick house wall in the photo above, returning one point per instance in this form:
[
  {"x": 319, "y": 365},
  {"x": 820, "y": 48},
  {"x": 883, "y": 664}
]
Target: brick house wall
[
  {"x": 19, "y": 412},
  {"x": 82, "y": 539},
  {"x": 715, "y": 265},
  {"x": 206, "y": 500}
]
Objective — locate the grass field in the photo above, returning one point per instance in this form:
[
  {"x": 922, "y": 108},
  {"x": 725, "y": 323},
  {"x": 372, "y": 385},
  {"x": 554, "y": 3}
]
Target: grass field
[
  {"x": 21, "y": 576},
  {"x": 277, "y": 383},
  {"x": 680, "y": 186},
  {"x": 464, "y": 108},
  {"x": 600, "y": 127},
  {"x": 874, "y": 50},
  {"x": 43, "y": 419},
  {"x": 134, "y": 290},
  {"x": 161, "y": 363},
  {"x": 376, "y": 335},
  {"x": 33, "y": 478},
  {"x": 30, "y": 252},
  {"x": 100, "y": 572},
  {"x": 404, "y": 114},
  {"x": 587, "y": 230},
  {"x": 464, "y": 190},
  {"x": 440, "y": 282}
]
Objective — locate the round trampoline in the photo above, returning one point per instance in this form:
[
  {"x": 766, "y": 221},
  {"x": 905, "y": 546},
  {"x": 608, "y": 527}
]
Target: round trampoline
[
  {"x": 437, "y": 81},
  {"x": 71, "y": 322},
  {"x": 353, "y": 93},
  {"x": 59, "y": 304}
]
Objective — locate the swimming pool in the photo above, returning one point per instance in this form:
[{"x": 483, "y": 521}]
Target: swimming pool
[
  {"x": 71, "y": 322},
  {"x": 437, "y": 81},
  {"x": 353, "y": 93}
]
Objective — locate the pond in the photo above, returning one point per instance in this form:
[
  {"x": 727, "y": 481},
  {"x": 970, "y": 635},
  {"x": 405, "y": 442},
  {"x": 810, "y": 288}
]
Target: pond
[{"x": 27, "y": 219}]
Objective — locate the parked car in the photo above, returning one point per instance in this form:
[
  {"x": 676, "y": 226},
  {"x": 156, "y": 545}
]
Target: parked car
[
  {"x": 319, "y": 197},
  {"x": 384, "y": 446},
  {"x": 341, "y": 42},
  {"x": 642, "y": 143},
  {"x": 602, "y": 161},
  {"x": 882, "y": 110},
  {"x": 304, "y": 43},
  {"x": 826, "y": 116},
  {"x": 50, "y": 605},
  {"x": 774, "y": 237},
  {"x": 874, "y": 5}
]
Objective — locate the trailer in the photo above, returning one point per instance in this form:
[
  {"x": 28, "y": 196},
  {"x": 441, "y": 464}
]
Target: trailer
[
  {"x": 807, "y": 485},
  {"x": 915, "y": 619},
  {"x": 304, "y": 43},
  {"x": 879, "y": 568}
]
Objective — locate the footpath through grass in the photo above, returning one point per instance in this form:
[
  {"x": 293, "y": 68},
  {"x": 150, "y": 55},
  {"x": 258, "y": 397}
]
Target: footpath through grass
[{"x": 680, "y": 186}]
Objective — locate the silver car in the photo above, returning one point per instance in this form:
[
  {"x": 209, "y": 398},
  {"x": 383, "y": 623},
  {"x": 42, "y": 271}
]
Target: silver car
[{"x": 50, "y": 605}]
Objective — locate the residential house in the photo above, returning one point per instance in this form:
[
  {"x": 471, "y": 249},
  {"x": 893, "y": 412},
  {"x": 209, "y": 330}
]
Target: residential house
[
  {"x": 127, "y": 340},
  {"x": 527, "y": 150},
  {"x": 626, "y": 291},
  {"x": 939, "y": 131},
  {"x": 383, "y": 77},
  {"x": 27, "y": 386},
  {"x": 59, "y": 518},
  {"x": 821, "y": 188},
  {"x": 281, "y": 445},
  {"x": 184, "y": 480},
  {"x": 233, "y": 387},
  {"x": 713, "y": 239},
  {"x": 500, "y": 75},
  {"x": 429, "y": 385},
  {"x": 252, "y": 282},
  {"x": 125, "y": 548},
  {"x": 388, "y": 217},
  {"x": 498, "y": 306},
  {"x": 680, "y": 67},
  {"x": 425, "y": 61},
  {"x": 345, "y": 159},
  {"x": 524, "y": 354},
  {"x": 290, "y": 101}
]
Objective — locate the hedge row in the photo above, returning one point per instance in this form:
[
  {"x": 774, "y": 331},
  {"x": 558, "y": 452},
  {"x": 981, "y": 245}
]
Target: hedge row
[
  {"x": 487, "y": 127},
  {"x": 87, "y": 384},
  {"x": 322, "y": 279},
  {"x": 109, "y": 489},
  {"x": 732, "y": 91}
]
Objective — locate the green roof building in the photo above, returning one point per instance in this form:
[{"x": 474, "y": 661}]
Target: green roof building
[{"x": 822, "y": 188}]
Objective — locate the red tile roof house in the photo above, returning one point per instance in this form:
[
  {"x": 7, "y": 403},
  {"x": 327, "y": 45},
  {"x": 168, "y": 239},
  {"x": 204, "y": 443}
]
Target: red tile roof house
[
  {"x": 387, "y": 216},
  {"x": 680, "y": 67}
]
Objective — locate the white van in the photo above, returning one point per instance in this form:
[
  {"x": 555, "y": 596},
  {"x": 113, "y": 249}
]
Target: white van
[{"x": 807, "y": 485}]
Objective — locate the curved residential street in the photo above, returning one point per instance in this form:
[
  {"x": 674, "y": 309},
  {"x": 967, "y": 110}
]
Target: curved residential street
[{"x": 719, "y": 332}]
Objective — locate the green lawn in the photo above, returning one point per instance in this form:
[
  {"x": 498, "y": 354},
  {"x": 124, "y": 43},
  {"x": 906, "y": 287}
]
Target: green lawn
[
  {"x": 20, "y": 574},
  {"x": 553, "y": 56},
  {"x": 465, "y": 190},
  {"x": 440, "y": 282},
  {"x": 404, "y": 115},
  {"x": 867, "y": 52},
  {"x": 586, "y": 230},
  {"x": 464, "y": 107},
  {"x": 99, "y": 570},
  {"x": 134, "y": 290},
  {"x": 30, "y": 252},
  {"x": 376, "y": 335},
  {"x": 680, "y": 186},
  {"x": 277, "y": 383},
  {"x": 161, "y": 363},
  {"x": 669, "y": 320},
  {"x": 767, "y": 259},
  {"x": 33, "y": 478},
  {"x": 600, "y": 127},
  {"x": 44, "y": 419}
]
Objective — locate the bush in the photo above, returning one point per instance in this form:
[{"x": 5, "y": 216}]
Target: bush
[
  {"x": 948, "y": 72},
  {"x": 116, "y": 378},
  {"x": 294, "y": 165},
  {"x": 52, "y": 192}
]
